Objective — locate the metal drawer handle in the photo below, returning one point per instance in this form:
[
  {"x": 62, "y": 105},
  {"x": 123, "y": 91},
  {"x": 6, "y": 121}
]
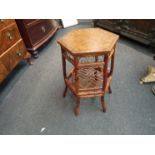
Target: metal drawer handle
[
  {"x": 9, "y": 35},
  {"x": 43, "y": 29},
  {"x": 19, "y": 53}
]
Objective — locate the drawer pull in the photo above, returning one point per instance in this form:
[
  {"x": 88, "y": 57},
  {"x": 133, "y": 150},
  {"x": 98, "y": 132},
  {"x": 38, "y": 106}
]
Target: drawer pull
[
  {"x": 43, "y": 29},
  {"x": 9, "y": 36},
  {"x": 19, "y": 53}
]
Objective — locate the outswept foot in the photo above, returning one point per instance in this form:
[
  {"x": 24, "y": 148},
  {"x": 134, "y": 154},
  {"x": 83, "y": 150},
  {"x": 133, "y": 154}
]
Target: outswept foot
[
  {"x": 65, "y": 91},
  {"x": 77, "y": 108},
  {"x": 103, "y": 104}
]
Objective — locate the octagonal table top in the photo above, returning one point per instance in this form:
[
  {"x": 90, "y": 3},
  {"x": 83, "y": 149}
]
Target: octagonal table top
[{"x": 88, "y": 41}]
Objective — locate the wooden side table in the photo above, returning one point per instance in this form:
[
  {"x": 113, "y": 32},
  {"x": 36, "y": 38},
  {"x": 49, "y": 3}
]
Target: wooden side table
[{"x": 89, "y": 50}]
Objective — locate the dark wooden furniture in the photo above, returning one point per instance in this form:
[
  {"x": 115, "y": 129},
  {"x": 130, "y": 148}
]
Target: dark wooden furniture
[
  {"x": 12, "y": 48},
  {"x": 35, "y": 32},
  {"x": 141, "y": 30},
  {"x": 89, "y": 51}
]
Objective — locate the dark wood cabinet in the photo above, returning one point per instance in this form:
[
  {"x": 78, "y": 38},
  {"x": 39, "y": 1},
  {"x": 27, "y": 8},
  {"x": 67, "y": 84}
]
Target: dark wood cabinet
[
  {"x": 35, "y": 32},
  {"x": 12, "y": 48},
  {"x": 141, "y": 30}
]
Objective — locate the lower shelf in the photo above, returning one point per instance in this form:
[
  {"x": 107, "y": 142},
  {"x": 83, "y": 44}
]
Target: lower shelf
[{"x": 90, "y": 82}]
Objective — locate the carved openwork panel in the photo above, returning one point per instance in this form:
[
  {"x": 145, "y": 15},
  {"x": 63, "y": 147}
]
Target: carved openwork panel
[
  {"x": 90, "y": 79},
  {"x": 91, "y": 59}
]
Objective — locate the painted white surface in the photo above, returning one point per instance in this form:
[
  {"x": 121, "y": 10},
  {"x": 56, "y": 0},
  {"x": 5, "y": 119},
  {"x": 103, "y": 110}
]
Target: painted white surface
[{"x": 69, "y": 22}]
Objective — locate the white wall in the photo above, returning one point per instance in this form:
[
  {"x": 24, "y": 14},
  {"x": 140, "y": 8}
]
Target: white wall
[{"x": 69, "y": 22}]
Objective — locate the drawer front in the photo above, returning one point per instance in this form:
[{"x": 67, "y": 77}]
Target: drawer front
[
  {"x": 4, "y": 65},
  {"x": 3, "y": 71},
  {"x": 40, "y": 30},
  {"x": 5, "y": 22},
  {"x": 11, "y": 58},
  {"x": 17, "y": 53},
  {"x": 5, "y": 60},
  {"x": 28, "y": 21},
  {"x": 8, "y": 37}
]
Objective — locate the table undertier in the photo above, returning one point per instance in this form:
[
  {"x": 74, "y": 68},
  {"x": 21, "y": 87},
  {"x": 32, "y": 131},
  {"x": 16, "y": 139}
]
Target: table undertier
[{"x": 90, "y": 81}]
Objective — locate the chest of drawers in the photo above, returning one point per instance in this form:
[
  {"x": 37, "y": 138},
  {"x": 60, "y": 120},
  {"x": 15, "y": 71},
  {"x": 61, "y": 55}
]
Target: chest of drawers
[
  {"x": 35, "y": 32},
  {"x": 141, "y": 30},
  {"x": 12, "y": 48}
]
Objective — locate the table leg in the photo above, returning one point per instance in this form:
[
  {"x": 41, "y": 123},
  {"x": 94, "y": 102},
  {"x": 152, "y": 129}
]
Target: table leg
[
  {"x": 105, "y": 75},
  {"x": 64, "y": 71},
  {"x": 111, "y": 69},
  {"x": 110, "y": 91},
  {"x": 77, "y": 108},
  {"x": 65, "y": 91},
  {"x": 77, "y": 83},
  {"x": 103, "y": 104}
]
